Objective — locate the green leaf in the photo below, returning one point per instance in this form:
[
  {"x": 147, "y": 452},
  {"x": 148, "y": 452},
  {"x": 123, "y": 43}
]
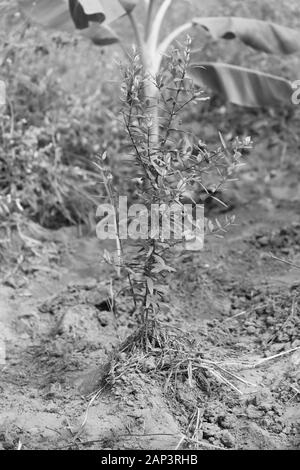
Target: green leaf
[
  {"x": 261, "y": 35},
  {"x": 82, "y": 12},
  {"x": 58, "y": 14},
  {"x": 150, "y": 285},
  {"x": 55, "y": 14},
  {"x": 105, "y": 10},
  {"x": 99, "y": 35},
  {"x": 242, "y": 86}
]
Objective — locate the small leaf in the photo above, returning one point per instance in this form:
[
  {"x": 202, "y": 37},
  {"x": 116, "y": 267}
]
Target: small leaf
[
  {"x": 158, "y": 268},
  {"x": 151, "y": 249},
  {"x": 159, "y": 259},
  {"x": 150, "y": 285},
  {"x": 218, "y": 223},
  {"x": 162, "y": 289}
]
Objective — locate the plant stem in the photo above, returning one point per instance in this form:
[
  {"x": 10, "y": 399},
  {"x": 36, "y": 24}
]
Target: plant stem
[
  {"x": 151, "y": 93},
  {"x": 157, "y": 24},
  {"x": 149, "y": 18},
  {"x": 109, "y": 192}
]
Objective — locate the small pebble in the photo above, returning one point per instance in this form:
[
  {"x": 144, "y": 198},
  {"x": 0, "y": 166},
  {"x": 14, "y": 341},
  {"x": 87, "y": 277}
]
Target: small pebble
[
  {"x": 270, "y": 321},
  {"x": 263, "y": 241},
  {"x": 251, "y": 330}
]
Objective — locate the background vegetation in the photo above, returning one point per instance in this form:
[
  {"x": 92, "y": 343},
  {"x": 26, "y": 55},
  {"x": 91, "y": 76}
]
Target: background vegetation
[{"x": 63, "y": 102}]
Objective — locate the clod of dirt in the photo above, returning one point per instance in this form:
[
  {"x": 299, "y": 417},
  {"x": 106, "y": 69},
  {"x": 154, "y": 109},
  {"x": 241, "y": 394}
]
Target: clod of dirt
[
  {"x": 263, "y": 396},
  {"x": 93, "y": 379},
  {"x": 211, "y": 430},
  {"x": 227, "y": 422},
  {"x": 99, "y": 300},
  {"x": 227, "y": 439},
  {"x": 284, "y": 241},
  {"x": 257, "y": 438},
  {"x": 8, "y": 446},
  {"x": 81, "y": 322},
  {"x": 253, "y": 413},
  {"x": 104, "y": 318}
]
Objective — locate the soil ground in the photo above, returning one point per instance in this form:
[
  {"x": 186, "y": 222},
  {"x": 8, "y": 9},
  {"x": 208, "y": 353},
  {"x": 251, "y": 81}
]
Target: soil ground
[{"x": 240, "y": 305}]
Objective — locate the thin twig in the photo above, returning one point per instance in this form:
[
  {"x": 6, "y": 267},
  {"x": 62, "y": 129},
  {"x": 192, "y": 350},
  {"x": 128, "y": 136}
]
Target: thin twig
[
  {"x": 284, "y": 261},
  {"x": 284, "y": 353}
]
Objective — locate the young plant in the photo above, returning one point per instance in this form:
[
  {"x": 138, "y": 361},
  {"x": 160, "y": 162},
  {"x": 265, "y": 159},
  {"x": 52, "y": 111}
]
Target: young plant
[{"x": 171, "y": 167}]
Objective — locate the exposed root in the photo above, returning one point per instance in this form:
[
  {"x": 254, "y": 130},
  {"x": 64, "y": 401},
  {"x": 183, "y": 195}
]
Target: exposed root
[{"x": 172, "y": 355}]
